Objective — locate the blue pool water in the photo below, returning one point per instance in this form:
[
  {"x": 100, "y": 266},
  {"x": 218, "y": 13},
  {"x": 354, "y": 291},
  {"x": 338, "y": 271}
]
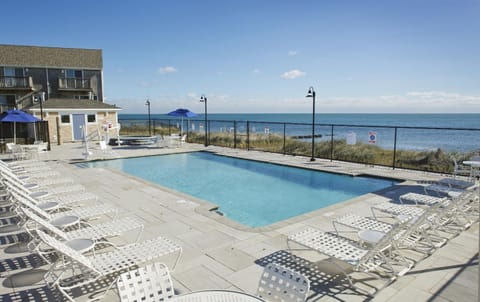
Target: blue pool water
[{"x": 252, "y": 193}]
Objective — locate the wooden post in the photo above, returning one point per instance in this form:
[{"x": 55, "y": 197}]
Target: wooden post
[{"x": 59, "y": 139}]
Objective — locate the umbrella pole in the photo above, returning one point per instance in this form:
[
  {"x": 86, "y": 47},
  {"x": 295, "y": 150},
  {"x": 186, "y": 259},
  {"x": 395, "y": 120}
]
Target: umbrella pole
[{"x": 15, "y": 132}]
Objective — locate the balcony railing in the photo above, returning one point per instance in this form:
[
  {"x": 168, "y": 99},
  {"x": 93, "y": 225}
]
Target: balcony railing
[
  {"x": 16, "y": 82},
  {"x": 74, "y": 83}
]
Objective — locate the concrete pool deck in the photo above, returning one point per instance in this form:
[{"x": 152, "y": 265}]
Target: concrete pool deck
[{"x": 219, "y": 254}]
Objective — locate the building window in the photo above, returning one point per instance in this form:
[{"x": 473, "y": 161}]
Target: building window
[
  {"x": 81, "y": 97},
  {"x": 91, "y": 118},
  {"x": 7, "y": 99},
  {"x": 13, "y": 72},
  {"x": 65, "y": 119},
  {"x": 74, "y": 73}
]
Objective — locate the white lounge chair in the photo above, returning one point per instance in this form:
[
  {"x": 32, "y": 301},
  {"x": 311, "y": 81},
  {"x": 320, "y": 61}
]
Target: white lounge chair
[
  {"x": 82, "y": 239},
  {"x": 45, "y": 192},
  {"x": 39, "y": 183},
  {"x": 35, "y": 170},
  {"x": 377, "y": 261},
  {"x": 420, "y": 199},
  {"x": 101, "y": 265},
  {"x": 51, "y": 202},
  {"x": 452, "y": 215},
  {"x": 80, "y": 212},
  {"x": 64, "y": 219},
  {"x": 419, "y": 233},
  {"x": 151, "y": 283},
  {"x": 281, "y": 284}
]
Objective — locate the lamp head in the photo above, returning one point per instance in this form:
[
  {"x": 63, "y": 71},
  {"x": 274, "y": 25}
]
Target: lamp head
[
  {"x": 310, "y": 93},
  {"x": 147, "y": 103},
  {"x": 203, "y": 99}
]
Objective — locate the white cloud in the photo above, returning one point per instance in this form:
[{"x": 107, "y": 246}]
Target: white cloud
[
  {"x": 293, "y": 74},
  {"x": 292, "y": 53},
  {"x": 256, "y": 71},
  {"x": 410, "y": 102},
  {"x": 167, "y": 69}
]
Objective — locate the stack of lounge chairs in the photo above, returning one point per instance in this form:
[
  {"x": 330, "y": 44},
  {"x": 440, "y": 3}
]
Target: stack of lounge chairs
[
  {"x": 416, "y": 224},
  {"x": 70, "y": 229}
]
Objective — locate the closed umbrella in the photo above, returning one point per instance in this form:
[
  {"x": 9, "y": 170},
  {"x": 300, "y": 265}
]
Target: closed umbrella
[
  {"x": 17, "y": 116},
  {"x": 182, "y": 112}
]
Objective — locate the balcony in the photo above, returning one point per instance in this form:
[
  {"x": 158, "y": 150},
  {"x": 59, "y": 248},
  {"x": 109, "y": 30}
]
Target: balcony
[
  {"x": 73, "y": 84},
  {"x": 16, "y": 83}
]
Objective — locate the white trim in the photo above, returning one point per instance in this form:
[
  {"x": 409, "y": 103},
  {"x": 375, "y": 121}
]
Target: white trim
[{"x": 79, "y": 109}]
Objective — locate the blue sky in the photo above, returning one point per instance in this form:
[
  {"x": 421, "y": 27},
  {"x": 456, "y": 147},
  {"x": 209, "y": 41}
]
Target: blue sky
[{"x": 262, "y": 56}]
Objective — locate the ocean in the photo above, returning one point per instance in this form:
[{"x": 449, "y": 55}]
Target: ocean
[{"x": 463, "y": 134}]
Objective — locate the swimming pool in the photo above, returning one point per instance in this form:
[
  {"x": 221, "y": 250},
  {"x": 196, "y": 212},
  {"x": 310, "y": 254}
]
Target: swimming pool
[{"x": 252, "y": 193}]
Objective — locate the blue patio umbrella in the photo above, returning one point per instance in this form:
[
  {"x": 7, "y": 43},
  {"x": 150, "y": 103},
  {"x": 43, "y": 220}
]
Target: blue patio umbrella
[
  {"x": 17, "y": 116},
  {"x": 182, "y": 112}
]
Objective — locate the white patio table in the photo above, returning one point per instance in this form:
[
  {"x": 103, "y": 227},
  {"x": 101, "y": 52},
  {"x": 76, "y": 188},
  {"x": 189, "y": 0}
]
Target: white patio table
[{"x": 217, "y": 296}]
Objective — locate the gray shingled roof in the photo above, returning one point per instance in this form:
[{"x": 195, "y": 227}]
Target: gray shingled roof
[
  {"x": 53, "y": 57},
  {"x": 73, "y": 104}
]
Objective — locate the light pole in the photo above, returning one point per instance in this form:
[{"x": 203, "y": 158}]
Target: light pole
[
  {"x": 42, "y": 99},
  {"x": 203, "y": 99},
  {"x": 311, "y": 94},
  {"x": 149, "y": 121}
]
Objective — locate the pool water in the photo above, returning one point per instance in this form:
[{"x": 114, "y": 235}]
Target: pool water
[{"x": 252, "y": 193}]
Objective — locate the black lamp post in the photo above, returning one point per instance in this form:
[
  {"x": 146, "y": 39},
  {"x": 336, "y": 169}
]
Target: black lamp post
[
  {"x": 203, "y": 99},
  {"x": 42, "y": 99},
  {"x": 311, "y": 94},
  {"x": 149, "y": 120}
]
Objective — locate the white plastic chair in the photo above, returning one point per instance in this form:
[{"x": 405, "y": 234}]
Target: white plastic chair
[
  {"x": 106, "y": 150},
  {"x": 151, "y": 283},
  {"x": 42, "y": 149},
  {"x": 16, "y": 151},
  {"x": 281, "y": 284},
  {"x": 10, "y": 150},
  {"x": 460, "y": 169}
]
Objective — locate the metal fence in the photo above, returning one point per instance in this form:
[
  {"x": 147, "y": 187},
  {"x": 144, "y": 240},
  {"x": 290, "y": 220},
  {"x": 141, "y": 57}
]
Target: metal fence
[
  {"x": 419, "y": 148},
  {"x": 24, "y": 133}
]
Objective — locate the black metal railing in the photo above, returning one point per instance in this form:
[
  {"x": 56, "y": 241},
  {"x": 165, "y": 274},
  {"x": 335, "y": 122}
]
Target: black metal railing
[
  {"x": 24, "y": 133},
  {"x": 419, "y": 148},
  {"x": 15, "y": 82}
]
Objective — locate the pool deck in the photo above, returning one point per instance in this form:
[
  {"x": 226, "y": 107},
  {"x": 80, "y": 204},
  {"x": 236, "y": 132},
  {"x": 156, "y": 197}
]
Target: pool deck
[{"x": 220, "y": 254}]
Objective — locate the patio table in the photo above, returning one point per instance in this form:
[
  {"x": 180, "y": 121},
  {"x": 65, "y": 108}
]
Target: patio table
[{"x": 217, "y": 296}]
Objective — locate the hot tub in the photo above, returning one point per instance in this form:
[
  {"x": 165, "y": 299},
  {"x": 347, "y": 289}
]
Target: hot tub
[{"x": 133, "y": 140}]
